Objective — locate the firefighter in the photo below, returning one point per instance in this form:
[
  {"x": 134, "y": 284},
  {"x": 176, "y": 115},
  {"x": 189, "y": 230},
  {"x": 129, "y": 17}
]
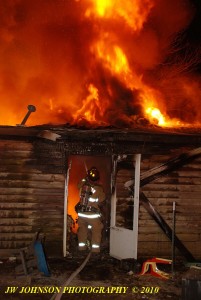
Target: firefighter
[{"x": 88, "y": 210}]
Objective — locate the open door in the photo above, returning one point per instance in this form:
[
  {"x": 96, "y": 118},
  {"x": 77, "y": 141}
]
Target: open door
[{"x": 124, "y": 237}]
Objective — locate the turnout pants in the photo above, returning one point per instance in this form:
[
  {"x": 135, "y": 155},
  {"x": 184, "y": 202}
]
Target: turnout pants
[{"x": 95, "y": 226}]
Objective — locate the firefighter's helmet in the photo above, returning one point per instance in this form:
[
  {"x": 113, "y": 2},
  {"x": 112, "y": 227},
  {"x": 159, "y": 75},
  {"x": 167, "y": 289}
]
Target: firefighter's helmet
[{"x": 93, "y": 174}]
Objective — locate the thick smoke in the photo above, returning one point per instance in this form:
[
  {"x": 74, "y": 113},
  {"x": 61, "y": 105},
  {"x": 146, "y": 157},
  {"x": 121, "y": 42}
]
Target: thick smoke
[{"x": 48, "y": 59}]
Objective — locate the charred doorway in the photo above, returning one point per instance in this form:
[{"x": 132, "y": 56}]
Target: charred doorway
[{"x": 78, "y": 166}]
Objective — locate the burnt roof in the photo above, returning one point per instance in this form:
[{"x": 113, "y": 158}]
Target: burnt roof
[{"x": 107, "y": 140}]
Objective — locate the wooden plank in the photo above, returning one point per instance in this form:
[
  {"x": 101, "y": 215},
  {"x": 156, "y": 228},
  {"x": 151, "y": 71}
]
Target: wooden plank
[
  {"x": 32, "y": 176},
  {"x": 13, "y": 161},
  {"x": 27, "y": 221},
  {"x": 14, "y": 244},
  {"x": 17, "y": 154},
  {"x": 17, "y": 206},
  {"x": 27, "y": 191},
  {"x": 20, "y": 169},
  {"x": 28, "y": 236},
  {"x": 149, "y": 228},
  {"x": 6, "y": 253},
  {"x": 169, "y": 201},
  {"x": 16, "y": 236},
  {"x": 18, "y": 145},
  {"x": 31, "y": 213},
  {"x": 190, "y": 236},
  {"x": 156, "y": 161},
  {"x": 175, "y": 196},
  {"x": 154, "y": 249},
  {"x": 188, "y": 172},
  {"x": 188, "y": 195},
  {"x": 162, "y": 194},
  {"x": 31, "y": 206},
  {"x": 165, "y": 211},
  {"x": 14, "y": 229},
  {"x": 189, "y": 180},
  {"x": 190, "y": 220},
  {"x": 153, "y": 237},
  {"x": 28, "y": 163},
  {"x": 175, "y": 179},
  {"x": 172, "y": 194},
  {"x": 160, "y": 187},
  {"x": 180, "y": 217},
  {"x": 45, "y": 198},
  {"x": 173, "y": 187},
  {"x": 16, "y": 221},
  {"x": 31, "y": 184}
]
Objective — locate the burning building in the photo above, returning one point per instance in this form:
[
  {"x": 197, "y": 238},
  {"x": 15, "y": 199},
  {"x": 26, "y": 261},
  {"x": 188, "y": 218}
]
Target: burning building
[
  {"x": 116, "y": 85},
  {"x": 39, "y": 178}
]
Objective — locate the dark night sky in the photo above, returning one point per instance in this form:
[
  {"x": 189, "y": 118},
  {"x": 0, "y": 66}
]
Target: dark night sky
[
  {"x": 194, "y": 30},
  {"x": 191, "y": 37}
]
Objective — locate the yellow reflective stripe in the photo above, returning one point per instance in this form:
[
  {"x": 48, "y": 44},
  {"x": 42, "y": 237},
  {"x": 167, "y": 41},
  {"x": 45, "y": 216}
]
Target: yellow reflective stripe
[
  {"x": 94, "y": 216},
  {"x": 93, "y": 199}
]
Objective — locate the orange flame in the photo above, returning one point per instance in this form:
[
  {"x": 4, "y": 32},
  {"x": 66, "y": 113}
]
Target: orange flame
[
  {"x": 155, "y": 114},
  {"x": 99, "y": 61},
  {"x": 89, "y": 104},
  {"x": 134, "y": 14}
]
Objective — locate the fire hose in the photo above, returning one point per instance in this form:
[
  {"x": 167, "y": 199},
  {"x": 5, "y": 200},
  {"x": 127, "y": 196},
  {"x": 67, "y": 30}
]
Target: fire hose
[{"x": 72, "y": 276}]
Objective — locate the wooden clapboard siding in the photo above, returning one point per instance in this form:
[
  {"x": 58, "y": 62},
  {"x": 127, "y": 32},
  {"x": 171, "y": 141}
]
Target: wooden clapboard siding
[
  {"x": 31, "y": 194},
  {"x": 182, "y": 186}
]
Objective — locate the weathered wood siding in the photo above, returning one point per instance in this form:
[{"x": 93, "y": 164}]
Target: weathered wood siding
[
  {"x": 31, "y": 195},
  {"x": 183, "y": 187}
]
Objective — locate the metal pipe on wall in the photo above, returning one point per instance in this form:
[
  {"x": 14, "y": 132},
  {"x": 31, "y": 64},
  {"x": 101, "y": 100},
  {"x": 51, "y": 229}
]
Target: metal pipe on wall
[
  {"x": 65, "y": 209},
  {"x": 173, "y": 237}
]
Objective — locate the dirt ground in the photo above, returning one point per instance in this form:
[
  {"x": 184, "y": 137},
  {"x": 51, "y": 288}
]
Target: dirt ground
[{"x": 101, "y": 278}]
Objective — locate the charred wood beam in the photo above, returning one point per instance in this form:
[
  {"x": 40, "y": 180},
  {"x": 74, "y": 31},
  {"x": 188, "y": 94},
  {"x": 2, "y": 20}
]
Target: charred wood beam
[
  {"x": 165, "y": 227},
  {"x": 165, "y": 168}
]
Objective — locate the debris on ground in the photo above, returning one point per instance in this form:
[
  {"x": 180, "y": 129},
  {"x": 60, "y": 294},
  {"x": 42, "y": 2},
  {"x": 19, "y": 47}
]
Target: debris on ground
[{"x": 101, "y": 278}]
